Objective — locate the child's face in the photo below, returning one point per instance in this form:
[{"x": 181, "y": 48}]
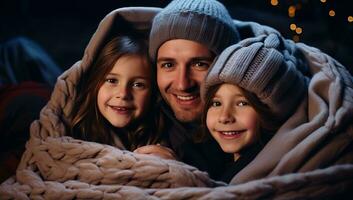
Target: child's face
[
  {"x": 231, "y": 120},
  {"x": 125, "y": 93}
]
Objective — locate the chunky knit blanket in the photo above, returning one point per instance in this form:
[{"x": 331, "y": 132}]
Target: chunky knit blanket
[{"x": 310, "y": 157}]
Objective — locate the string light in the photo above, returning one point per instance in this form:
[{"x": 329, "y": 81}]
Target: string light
[
  {"x": 274, "y": 2},
  {"x": 350, "y": 19},
  {"x": 293, "y": 27},
  {"x": 299, "y": 30},
  {"x": 332, "y": 13},
  {"x": 291, "y": 11},
  {"x": 294, "y": 8}
]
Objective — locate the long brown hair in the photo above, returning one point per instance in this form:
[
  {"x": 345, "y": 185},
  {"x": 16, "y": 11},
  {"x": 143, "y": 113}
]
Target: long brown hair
[
  {"x": 267, "y": 121},
  {"x": 87, "y": 121}
]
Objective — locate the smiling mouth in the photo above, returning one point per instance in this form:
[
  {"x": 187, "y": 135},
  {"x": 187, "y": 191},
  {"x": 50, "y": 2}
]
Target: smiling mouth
[
  {"x": 187, "y": 101},
  {"x": 121, "y": 109},
  {"x": 186, "y": 98},
  {"x": 231, "y": 134}
]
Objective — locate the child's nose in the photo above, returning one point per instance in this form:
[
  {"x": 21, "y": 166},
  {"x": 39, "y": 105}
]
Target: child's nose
[
  {"x": 226, "y": 117},
  {"x": 123, "y": 93}
]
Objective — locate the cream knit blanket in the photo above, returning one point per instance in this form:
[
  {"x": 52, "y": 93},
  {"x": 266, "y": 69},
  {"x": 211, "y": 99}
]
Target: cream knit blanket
[{"x": 310, "y": 157}]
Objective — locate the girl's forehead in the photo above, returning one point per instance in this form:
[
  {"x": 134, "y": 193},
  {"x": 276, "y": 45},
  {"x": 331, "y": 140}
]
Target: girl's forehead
[
  {"x": 132, "y": 66},
  {"x": 229, "y": 90}
]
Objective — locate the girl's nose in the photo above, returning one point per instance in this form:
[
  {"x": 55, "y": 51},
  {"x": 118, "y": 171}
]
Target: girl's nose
[
  {"x": 123, "y": 93},
  {"x": 226, "y": 117}
]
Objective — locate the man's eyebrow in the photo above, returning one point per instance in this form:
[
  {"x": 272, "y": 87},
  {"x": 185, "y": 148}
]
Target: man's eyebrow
[
  {"x": 165, "y": 59},
  {"x": 193, "y": 59},
  {"x": 205, "y": 58}
]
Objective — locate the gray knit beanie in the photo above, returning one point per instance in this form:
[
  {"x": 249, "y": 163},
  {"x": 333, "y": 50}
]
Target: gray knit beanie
[
  {"x": 205, "y": 21},
  {"x": 263, "y": 66}
]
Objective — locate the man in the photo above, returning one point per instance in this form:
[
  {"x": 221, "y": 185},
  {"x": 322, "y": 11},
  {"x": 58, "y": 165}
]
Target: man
[{"x": 185, "y": 38}]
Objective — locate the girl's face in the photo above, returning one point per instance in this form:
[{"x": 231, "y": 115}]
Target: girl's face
[
  {"x": 126, "y": 91},
  {"x": 231, "y": 120}
]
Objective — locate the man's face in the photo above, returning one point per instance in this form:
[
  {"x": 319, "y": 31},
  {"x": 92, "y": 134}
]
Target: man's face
[{"x": 181, "y": 68}]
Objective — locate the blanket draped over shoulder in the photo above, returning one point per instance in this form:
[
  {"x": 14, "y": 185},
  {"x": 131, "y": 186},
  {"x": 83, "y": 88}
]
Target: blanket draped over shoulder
[{"x": 310, "y": 157}]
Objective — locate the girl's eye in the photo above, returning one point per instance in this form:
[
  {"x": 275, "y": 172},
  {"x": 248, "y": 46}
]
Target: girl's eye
[
  {"x": 139, "y": 85},
  {"x": 242, "y": 103},
  {"x": 111, "y": 80},
  {"x": 215, "y": 103}
]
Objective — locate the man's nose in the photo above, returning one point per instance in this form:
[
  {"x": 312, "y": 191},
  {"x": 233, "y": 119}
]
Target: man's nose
[{"x": 184, "y": 79}]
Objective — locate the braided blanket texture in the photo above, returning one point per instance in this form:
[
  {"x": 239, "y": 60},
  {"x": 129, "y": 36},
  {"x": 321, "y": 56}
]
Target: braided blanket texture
[{"x": 310, "y": 157}]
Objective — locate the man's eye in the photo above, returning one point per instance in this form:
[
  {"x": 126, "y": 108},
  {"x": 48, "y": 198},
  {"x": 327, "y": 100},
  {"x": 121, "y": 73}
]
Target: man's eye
[
  {"x": 202, "y": 65},
  {"x": 166, "y": 65}
]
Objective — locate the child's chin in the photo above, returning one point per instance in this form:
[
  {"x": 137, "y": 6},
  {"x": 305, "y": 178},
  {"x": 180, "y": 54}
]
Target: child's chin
[{"x": 230, "y": 150}]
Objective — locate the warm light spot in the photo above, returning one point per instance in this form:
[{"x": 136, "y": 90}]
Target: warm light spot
[
  {"x": 350, "y": 19},
  {"x": 274, "y": 2},
  {"x": 332, "y": 13},
  {"x": 323, "y": 1},
  {"x": 296, "y": 38},
  {"x": 298, "y": 30},
  {"x": 292, "y": 27},
  {"x": 291, "y": 11}
]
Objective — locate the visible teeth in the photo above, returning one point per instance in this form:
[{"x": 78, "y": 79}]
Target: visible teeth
[
  {"x": 230, "y": 132},
  {"x": 186, "y": 98},
  {"x": 120, "y": 108}
]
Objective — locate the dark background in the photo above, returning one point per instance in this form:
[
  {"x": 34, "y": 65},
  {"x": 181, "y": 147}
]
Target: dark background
[{"x": 63, "y": 28}]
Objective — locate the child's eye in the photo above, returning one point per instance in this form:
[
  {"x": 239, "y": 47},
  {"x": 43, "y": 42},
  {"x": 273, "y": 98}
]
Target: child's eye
[
  {"x": 242, "y": 103},
  {"x": 138, "y": 85},
  {"x": 215, "y": 103},
  {"x": 111, "y": 80}
]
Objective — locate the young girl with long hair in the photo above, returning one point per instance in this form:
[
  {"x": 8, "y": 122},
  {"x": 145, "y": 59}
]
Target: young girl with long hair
[{"x": 116, "y": 98}]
